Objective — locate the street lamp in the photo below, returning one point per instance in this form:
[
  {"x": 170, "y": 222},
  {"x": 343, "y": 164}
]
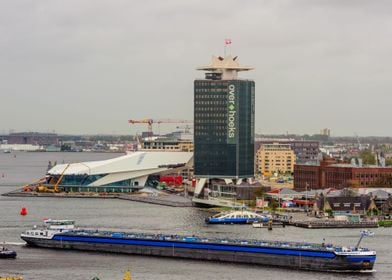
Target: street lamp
[{"x": 306, "y": 197}]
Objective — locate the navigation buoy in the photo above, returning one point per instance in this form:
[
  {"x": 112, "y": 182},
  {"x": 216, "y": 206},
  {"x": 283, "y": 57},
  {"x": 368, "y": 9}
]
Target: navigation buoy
[{"x": 23, "y": 212}]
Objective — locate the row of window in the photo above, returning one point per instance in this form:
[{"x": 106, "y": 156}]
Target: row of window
[
  {"x": 209, "y": 122},
  {"x": 207, "y": 133},
  {"x": 210, "y": 117},
  {"x": 208, "y": 127},
  {"x": 213, "y": 102},
  {"x": 210, "y": 83},
  {"x": 289, "y": 152},
  {"x": 276, "y": 160},
  {"x": 372, "y": 175},
  {"x": 346, "y": 204},
  {"x": 201, "y": 90},
  {"x": 214, "y": 133},
  {"x": 203, "y": 109},
  {"x": 278, "y": 157},
  {"x": 161, "y": 147}
]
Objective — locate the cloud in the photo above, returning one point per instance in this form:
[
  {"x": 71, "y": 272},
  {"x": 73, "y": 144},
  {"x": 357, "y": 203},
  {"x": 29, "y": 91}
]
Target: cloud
[{"x": 89, "y": 66}]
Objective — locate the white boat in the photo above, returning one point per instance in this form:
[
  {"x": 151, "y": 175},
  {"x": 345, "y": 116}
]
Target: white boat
[{"x": 258, "y": 224}]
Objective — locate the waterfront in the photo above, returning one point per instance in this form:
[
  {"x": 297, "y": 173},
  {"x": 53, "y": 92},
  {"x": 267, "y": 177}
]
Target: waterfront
[{"x": 35, "y": 263}]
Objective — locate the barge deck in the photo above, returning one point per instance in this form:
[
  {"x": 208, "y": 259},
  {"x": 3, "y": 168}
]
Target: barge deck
[{"x": 296, "y": 255}]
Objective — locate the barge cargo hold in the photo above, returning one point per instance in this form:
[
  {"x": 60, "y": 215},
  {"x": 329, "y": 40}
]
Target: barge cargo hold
[{"x": 61, "y": 234}]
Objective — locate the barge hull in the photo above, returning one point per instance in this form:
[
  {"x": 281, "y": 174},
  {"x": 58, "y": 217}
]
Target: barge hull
[{"x": 337, "y": 263}]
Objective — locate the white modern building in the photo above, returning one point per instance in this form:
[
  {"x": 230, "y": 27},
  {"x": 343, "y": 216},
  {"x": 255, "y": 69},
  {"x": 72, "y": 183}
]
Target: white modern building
[{"x": 135, "y": 169}]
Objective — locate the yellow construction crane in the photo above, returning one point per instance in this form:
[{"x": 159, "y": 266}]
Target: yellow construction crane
[
  {"x": 55, "y": 188},
  {"x": 150, "y": 122}
]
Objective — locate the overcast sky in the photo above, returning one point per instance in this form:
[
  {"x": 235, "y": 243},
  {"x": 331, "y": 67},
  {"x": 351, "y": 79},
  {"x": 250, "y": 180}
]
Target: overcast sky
[{"x": 87, "y": 66}]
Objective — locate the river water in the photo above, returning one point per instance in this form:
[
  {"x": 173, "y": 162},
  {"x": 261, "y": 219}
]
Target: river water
[{"x": 17, "y": 169}]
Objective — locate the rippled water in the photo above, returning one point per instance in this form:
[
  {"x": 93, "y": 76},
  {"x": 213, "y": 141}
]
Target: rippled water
[{"x": 35, "y": 263}]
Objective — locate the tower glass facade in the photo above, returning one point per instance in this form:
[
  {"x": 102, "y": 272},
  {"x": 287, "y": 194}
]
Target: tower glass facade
[{"x": 224, "y": 112}]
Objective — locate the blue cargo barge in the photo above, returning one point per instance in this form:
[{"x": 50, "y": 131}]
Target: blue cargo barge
[{"x": 308, "y": 256}]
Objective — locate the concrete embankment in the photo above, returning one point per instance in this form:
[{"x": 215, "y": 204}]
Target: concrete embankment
[
  {"x": 305, "y": 221},
  {"x": 162, "y": 199},
  {"x": 335, "y": 224},
  {"x": 168, "y": 200}
]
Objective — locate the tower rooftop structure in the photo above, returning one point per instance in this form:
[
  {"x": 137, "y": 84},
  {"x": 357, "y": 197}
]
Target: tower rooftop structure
[{"x": 223, "y": 68}]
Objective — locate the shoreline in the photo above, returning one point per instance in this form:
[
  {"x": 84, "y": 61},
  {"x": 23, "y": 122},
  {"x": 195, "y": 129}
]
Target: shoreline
[
  {"x": 165, "y": 200},
  {"x": 300, "y": 220}
]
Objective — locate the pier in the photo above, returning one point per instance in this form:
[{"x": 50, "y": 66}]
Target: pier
[{"x": 334, "y": 224}]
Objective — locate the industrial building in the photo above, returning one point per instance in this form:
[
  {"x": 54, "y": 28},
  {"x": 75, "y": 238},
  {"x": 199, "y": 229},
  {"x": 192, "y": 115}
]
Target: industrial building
[
  {"x": 329, "y": 173},
  {"x": 33, "y": 138}
]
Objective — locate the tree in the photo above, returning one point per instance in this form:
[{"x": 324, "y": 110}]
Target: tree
[
  {"x": 259, "y": 192},
  {"x": 273, "y": 204},
  {"x": 367, "y": 157},
  {"x": 65, "y": 147}
]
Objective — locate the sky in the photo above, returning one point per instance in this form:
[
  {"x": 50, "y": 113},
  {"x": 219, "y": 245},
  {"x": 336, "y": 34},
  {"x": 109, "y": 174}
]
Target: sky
[{"x": 88, "y": 66}]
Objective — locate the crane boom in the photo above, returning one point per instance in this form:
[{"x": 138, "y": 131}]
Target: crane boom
[
  {"x": 150, "y": 122},
  {"x": 55, "y": 189},
  {"x": 56, "y": 186}
]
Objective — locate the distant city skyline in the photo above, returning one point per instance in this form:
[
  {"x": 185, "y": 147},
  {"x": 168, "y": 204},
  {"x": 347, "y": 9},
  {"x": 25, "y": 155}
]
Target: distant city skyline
[{"x": 86, "y": 67}]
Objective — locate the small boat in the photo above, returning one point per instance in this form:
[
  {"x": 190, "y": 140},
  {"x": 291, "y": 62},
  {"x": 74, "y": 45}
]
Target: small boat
[
  {"x": 6, "y": 253},
  {"x": 270, "y": 224},
  {"x": 236, "y": 217},
  {"x": 258, "y": 224}
]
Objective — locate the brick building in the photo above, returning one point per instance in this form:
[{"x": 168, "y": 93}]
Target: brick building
[
  {"x": 331, "y": 174},
  {"x": 33, "y": 138}
]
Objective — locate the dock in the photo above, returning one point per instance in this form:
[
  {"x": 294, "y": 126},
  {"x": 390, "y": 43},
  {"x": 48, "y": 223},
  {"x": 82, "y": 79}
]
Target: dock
[{"x": 334, "y": 224}]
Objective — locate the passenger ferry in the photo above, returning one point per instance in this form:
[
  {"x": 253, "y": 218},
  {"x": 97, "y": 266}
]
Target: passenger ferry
[
  {"x": 309, "y": 256},
  {"x": 236, "y": 217}
]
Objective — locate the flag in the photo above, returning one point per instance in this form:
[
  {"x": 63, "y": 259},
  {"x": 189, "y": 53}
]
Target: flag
[{"x": 227, "y": 41}]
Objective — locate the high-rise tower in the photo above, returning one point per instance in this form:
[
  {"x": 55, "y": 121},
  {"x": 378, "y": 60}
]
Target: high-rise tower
[{"x": 224, "y": 117}]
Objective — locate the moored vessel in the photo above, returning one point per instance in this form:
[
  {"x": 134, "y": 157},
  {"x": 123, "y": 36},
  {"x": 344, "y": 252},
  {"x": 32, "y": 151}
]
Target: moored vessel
[
  {"x": 236, "y": 217},
  {"x": 309, "y": 256}
]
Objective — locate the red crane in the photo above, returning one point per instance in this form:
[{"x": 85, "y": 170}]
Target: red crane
[{"x": 150, "y": 122}]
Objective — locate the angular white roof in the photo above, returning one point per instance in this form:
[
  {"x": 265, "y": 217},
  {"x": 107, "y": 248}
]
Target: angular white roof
[{"x": 137, "y": 161}]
